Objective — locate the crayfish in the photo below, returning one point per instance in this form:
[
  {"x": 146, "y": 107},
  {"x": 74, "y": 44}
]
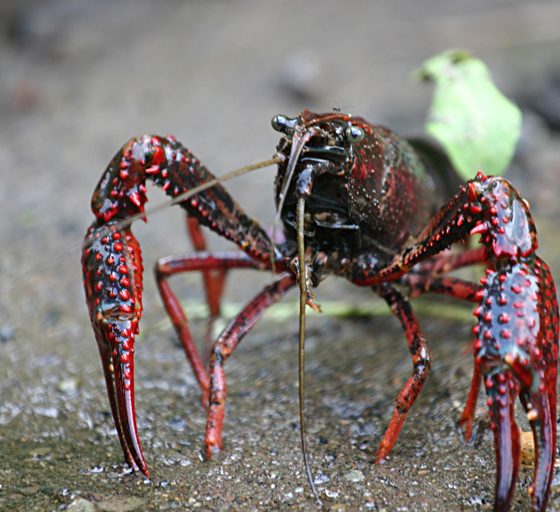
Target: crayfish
[{"x": 357, "y": 201}]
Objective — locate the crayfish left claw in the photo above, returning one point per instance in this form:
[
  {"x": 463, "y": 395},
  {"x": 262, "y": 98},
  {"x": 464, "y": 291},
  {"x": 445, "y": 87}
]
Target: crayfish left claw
[{"x": 517, "y": 351}]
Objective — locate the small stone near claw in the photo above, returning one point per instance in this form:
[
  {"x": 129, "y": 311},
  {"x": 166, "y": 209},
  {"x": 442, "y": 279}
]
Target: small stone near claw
[
  {"x": 354, "y": 476},
  {"x": 67, "y": 386},
  {"x": 6, "y": 333},
  {"x": 81, "y": 505},
  {"x": 527, "y": 449},
  {"x": 121, "y": 503}
]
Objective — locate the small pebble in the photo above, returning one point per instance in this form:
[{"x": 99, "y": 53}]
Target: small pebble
[
  {"x": 6, "y": 333},
  {"x": 67, "y": 386},
  {"x": 81, "y": 505},
  {"x": 121, "y": 504},
  {"x": 30, "y": 490},
  {"x": 354, "y": 476},
  {"x": 321, "y": 478}
]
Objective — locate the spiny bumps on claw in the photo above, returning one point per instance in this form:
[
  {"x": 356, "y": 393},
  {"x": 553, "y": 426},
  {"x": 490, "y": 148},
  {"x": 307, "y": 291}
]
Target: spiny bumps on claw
[
  {"x": 107, "y": 275},
  {"x": 509, "y": 304}
]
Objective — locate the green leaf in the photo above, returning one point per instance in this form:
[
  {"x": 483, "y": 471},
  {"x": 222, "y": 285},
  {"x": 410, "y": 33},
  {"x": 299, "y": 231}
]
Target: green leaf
[{"x": 474, "y": 122}]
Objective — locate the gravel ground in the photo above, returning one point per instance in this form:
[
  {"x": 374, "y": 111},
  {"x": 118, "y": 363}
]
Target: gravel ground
[{"x": 77, "y": 79}]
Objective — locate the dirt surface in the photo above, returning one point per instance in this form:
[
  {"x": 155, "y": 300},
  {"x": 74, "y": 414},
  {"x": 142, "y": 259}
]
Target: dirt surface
[{"x": 77, "y": 79}]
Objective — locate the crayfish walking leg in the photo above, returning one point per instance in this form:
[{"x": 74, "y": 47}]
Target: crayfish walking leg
[
  {"x": 226, "y": 343},
  {"x": 197, "y": 262},
  {"x": 421, "y": 361}
]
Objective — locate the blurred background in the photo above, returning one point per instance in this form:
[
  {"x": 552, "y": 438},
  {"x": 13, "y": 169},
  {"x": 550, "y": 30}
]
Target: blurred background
[{"x": 77, "y": 79}]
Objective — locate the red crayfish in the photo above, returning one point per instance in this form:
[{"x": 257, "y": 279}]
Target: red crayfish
[{"x": 368, "y": 207}]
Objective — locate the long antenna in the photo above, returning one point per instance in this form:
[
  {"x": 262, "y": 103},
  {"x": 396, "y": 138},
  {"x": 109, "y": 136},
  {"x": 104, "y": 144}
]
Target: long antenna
[{"x": 301, "y": 359}]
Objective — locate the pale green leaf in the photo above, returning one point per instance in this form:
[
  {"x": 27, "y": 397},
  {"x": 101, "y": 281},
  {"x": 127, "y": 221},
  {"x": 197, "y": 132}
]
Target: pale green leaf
[{"x": 474, "y": 122}]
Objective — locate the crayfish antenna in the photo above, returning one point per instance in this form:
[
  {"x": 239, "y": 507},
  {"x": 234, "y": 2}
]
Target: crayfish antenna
[{"x": 301, "y": 359}]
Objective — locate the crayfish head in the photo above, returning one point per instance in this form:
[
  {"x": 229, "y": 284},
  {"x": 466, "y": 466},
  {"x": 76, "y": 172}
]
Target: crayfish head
[
  {"x": 331, "y": 136},
  {"x": 317, "y": 155}
]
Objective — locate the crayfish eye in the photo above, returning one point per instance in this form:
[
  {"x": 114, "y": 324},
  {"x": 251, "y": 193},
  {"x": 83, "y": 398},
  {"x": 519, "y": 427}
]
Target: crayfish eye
[
  {"x": 354, "y": 134},
  {"x": 283, "y": 124}
]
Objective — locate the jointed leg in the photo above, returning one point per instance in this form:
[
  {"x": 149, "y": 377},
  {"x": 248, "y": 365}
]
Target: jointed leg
[
  {"x": 214, "y": 280},
  {"x": 201, "y": 262},
  {"x": 467, "y": 417},
  {"x": 420, "y": 359},
  {"x": 214, "y": 283},
  {"x": 223, "y": 348},
  {"x": 459, "y": 289},
  {"x": 448, "y": 261},
  {"x": 419, "y": 284}
]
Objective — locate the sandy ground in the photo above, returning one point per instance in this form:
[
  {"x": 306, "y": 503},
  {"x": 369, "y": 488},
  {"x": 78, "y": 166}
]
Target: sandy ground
[{"x": 77, "y": 79}]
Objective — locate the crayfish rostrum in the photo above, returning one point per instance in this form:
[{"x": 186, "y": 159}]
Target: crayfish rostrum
[{"x": 375, "y": 211}]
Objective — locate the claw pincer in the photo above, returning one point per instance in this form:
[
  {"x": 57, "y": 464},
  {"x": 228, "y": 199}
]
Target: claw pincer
[{"x": 516, "y": 347}]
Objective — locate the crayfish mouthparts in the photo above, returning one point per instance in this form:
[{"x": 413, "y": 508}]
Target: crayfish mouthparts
[{"x": 358, "y": 202}]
